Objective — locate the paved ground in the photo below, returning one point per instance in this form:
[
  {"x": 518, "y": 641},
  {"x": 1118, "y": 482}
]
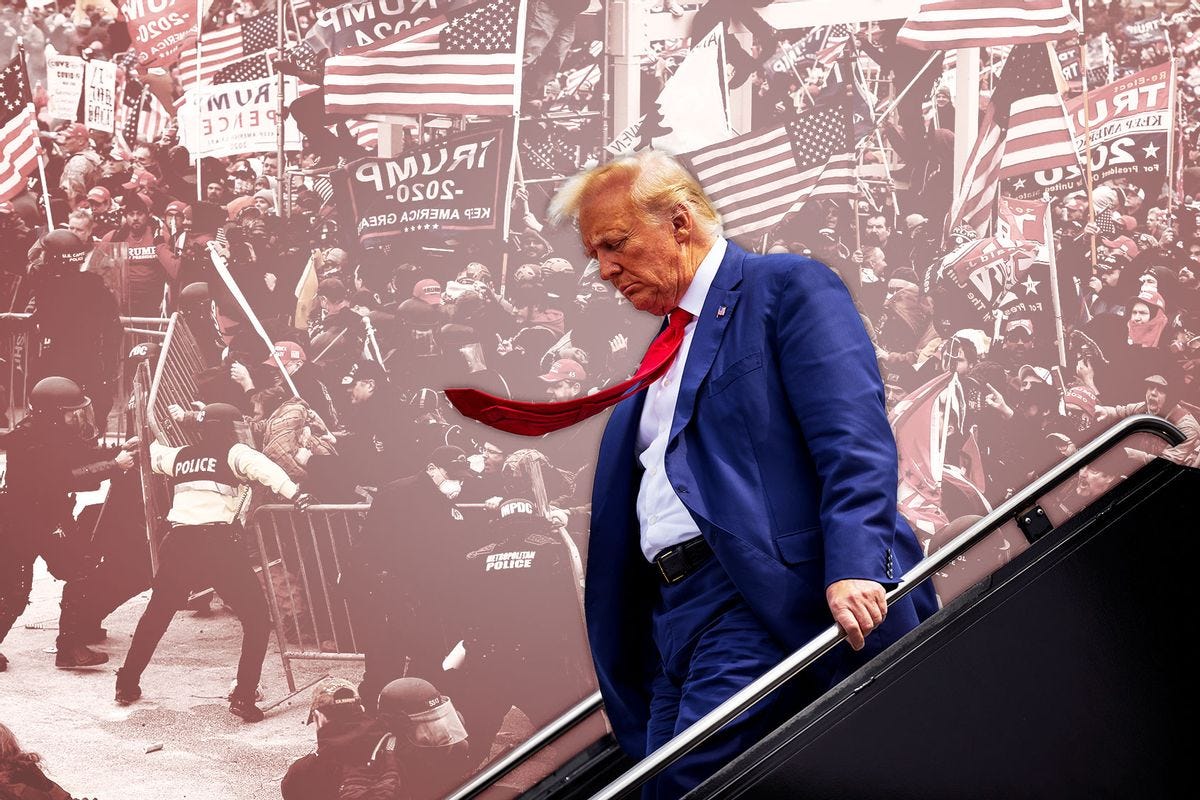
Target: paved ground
[{"x": 95, "y": 748}]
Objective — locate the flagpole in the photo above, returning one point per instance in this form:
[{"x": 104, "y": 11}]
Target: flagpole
[
  {"x": 896, "y": 100},
  {"x": 222, "y": 268},
  {"x": 1170, "y": 163},
  {"x": 280, "y": 130},
  {"x": 41, "y": 154},
  {"x": 1055, "y": 300},
  {"x": 196, "y": 97},
  {"x": 1087, "y": 137},
  {"x": 516, "y": 119},
  {"x": 295, "y": 19}
]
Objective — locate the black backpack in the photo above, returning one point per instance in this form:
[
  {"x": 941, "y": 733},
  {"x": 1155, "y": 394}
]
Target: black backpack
[{"x": 379, "y": 778}]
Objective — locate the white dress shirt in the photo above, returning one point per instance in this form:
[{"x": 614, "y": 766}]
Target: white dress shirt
[{"x": 662, "y": 517}]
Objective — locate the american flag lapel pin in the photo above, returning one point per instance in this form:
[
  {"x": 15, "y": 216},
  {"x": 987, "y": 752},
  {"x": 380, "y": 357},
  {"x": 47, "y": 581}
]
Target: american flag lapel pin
[{"x": 720, "y": 312}]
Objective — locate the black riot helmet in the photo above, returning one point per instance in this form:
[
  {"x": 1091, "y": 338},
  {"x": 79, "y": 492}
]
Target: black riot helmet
[
  {"x": 221, "y": 414},
  {"x": 62, "y": 252},
  {"x": 195, "y": 294},
  {"x": 145, "y": 351},
  {"x": 55, "y": 394},
  {"x": 415, "y": 709},
  {"x": 58, "y": 401},
  {"x": 218, "y": 421}
]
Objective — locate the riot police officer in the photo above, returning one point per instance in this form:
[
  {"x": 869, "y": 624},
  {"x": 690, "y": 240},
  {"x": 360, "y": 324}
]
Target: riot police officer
[
  {"x": 428, "y": 738},
  {"x": 77, "y": 322},
  {"x": 401, "y": 599},
  {"x": 52, "y": 454},
  {"x": 524, "y": 639},
  {"x": 203, "y": 548}
]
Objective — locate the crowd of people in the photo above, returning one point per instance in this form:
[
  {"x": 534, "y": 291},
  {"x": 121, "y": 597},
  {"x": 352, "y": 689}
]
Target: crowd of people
[{"x": 347, "y": 403}]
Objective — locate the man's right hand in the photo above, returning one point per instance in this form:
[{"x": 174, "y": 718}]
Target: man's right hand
[
  {"x": 241, "y": 375},
  {"x": 858, "y": 606}
]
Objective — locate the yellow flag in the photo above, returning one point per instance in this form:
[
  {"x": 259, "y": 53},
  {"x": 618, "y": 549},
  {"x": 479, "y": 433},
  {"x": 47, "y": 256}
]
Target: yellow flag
[{"x": 306, "y": 290}]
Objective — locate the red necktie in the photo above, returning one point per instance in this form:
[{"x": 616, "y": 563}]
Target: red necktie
[{"x": 534, "y": 419}]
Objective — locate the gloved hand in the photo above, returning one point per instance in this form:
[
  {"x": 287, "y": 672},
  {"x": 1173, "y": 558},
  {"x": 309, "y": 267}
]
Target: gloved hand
[{"x": 302, "y": 501}]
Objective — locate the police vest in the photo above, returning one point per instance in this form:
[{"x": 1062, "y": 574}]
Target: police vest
[{"x": 204, "y": 468}]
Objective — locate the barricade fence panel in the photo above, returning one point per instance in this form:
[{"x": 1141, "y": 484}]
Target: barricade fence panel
[
  {"x": 302, "y": 555},
  {"x": 175, "y": 376},
  {"x": 20, "y": 368}
]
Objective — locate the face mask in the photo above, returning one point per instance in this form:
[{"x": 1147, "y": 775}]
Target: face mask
[{"x": 450, "y": 488}]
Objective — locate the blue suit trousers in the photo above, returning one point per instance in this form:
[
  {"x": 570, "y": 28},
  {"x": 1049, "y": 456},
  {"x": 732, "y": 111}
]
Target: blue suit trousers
[{"x": 710, "y": 645}]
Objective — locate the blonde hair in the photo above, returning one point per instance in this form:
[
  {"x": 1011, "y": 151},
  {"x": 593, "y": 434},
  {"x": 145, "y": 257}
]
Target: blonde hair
[{"x": 658, "y": 184}]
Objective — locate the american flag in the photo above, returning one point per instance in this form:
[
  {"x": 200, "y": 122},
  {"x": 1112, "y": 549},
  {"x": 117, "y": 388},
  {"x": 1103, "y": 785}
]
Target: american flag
[
  {"x": 950, "y": 24},
  {"x": 366, "y": 133},
  {"x": 1025, "y": 129},
  {"x": 141, "y": 116},
  {"x": 225, "y": 46},
  {"x": 463, "y": 62},
  {"x": 302, "y": 55},
  {"x": 254, "y": 68},
  {"x": 18, "y": 130},
  {"x": 757, "y": 178}
]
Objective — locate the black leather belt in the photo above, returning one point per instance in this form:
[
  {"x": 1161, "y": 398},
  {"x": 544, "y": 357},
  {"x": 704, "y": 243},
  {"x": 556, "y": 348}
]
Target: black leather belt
[{"x": 676, "y": 563}]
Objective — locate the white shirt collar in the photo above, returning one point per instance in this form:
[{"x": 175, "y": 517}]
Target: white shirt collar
[{"x": 693, "y": 298}]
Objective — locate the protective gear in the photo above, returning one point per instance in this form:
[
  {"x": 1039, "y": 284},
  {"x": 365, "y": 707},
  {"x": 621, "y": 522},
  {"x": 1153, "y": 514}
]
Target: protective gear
[
  {"x": 221, "y": 413},
  {"x": 145, "y": 351},
  {"x": 302, "y": 501},
  {"x": 195, "y": 293},
  {"x": 57, "y": 398},
  {"x": 56, "y": 394},
  {"x": 416, "y": 709},
  {"x": 63, "y": 252}
]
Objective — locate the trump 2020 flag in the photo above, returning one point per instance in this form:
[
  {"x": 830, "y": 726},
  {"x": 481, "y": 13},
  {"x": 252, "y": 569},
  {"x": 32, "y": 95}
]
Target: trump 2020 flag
[{"x": 466, "y": 61}]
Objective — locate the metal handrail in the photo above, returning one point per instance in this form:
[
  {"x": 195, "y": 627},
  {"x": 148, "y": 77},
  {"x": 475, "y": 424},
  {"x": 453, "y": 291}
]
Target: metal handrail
[
  {"x": 699, "y": 731},
  {"x": 785, "y": 670},
  {"x": 522, "y": 752}
]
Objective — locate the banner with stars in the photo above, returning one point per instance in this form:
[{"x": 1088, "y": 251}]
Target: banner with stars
[
  {"x": 1024, "y": 224},
  {"x": 984, "y": 275},
  {"x": 457, "y": 184},
  {"x": 1130, "y": 122}
]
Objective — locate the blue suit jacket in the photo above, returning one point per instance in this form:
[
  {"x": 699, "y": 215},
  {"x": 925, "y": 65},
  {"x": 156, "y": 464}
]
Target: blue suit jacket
[{"x": 781, "y": 451}]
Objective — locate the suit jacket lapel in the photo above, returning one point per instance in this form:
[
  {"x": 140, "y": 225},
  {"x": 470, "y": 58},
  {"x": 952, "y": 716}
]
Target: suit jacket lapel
[{"x": 710, "y": 328}]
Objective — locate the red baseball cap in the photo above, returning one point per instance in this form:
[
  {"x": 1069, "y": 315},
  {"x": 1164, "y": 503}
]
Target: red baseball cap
[
  {"x": 99, "y": 194},
  {"x": 565, "y": 369},
  {"x": 178, "y": 207},
  {"x": 143, "y": 180},
  {"x": 428, "y": 290},
  {"x": 287, "y": 351},
  {"x": 1124, "y": 245}
]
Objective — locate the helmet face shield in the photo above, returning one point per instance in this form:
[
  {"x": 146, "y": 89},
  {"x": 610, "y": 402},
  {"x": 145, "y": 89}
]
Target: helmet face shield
[
  {"x": 437, "y": 727},
  {"x": 81, "y": 420}
]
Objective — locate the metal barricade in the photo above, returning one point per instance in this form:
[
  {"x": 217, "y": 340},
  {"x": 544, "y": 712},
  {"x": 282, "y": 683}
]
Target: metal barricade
[
  {"x": 19, "y": 352},
  {"x": 155, "y": 494},
  {"x": 175, "y": 383},
  {"x": 14, "y": 377},
  {"x": 302, "y": 556}
]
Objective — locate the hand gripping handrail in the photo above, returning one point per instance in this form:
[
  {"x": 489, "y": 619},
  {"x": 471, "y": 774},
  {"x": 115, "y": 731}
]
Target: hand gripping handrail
[{"x": 706, "y": 726}]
